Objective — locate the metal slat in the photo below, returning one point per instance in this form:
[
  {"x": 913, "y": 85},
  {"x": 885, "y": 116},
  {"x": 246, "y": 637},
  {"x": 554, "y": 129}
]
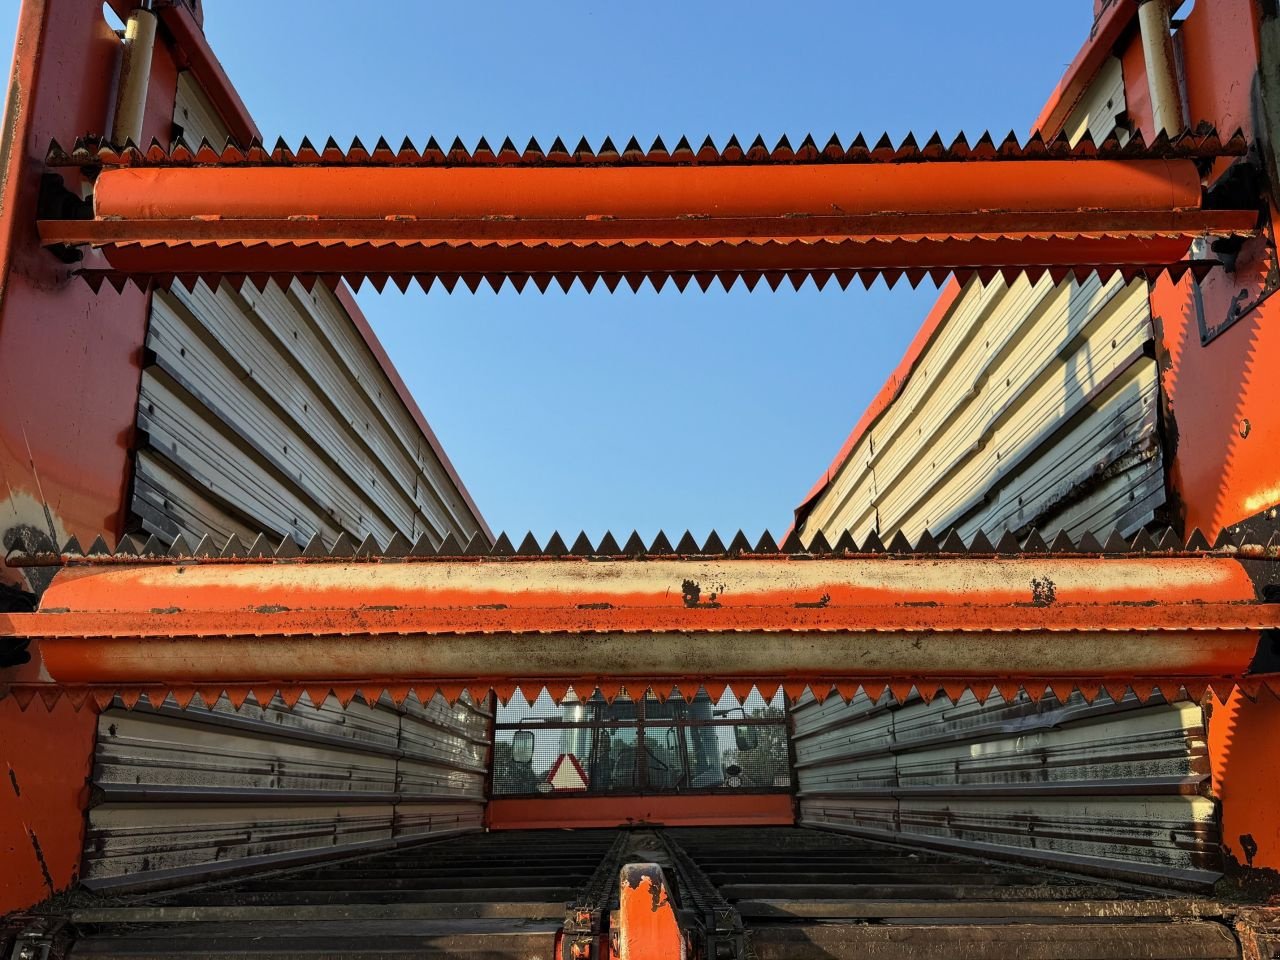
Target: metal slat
[
  {"x": 281, "y": 384},
  {"x": 484, "y": 895},
  {"x": 997, "y": 333},
  {"x": 181, "y": 792},
  {"x": 1104, "y": 787}
]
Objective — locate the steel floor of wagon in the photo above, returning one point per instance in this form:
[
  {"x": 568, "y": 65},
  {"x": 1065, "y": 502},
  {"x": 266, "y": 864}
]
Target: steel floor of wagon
[{"x": 772, "y": 893}]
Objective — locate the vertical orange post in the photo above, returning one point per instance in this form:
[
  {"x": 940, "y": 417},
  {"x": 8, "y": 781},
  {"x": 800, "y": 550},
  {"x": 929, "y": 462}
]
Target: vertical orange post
[
  {"x": 64, "y": 453},
  {"x": 45, "y": 758},
  {"x": 645, "y": 926},
  {"x": 1244, "y": 748}
]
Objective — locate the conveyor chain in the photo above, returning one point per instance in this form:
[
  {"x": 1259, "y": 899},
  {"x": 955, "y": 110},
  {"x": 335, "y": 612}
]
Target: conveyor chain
[
  {"x": 585, "y": 918},
  {"x": 715, "y": 924}
]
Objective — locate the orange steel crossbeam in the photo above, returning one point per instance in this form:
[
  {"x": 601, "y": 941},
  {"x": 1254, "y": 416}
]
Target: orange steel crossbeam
[
  {"x": 612, "y": 221},
  {"x": 958, "y": 623}
]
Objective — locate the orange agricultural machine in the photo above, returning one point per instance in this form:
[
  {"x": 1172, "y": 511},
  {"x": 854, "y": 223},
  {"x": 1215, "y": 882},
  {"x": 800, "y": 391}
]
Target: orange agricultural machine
[{"x": 1010, "y": 686}]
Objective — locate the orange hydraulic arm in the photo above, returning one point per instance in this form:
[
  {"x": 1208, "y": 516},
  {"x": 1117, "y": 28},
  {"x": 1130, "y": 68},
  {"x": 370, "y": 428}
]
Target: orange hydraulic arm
[
  {"x": 609, "y": 216},
  {"x": 946, "y": 617}
]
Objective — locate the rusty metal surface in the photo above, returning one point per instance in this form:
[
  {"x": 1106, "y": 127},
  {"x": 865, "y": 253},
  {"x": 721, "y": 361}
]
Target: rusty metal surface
[
  {"x": 1103, "y": 616},
  {"x": 94, "y": 152},
  {"x": 64, "y": 455},
  {"x": 799, "y": 891},
  {"x": 1020, "y": 404},
  {"x": 608, "y": 216},
  {"x": 645, "y": 926}
]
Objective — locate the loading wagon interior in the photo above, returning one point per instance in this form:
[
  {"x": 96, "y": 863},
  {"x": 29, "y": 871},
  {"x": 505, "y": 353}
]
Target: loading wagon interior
[{"x": 308, "y": 704}]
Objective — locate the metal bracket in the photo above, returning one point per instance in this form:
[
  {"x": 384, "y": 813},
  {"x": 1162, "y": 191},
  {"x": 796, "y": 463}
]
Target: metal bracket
[
  {"x": 35, "y": 939},
  {"x": 1242, "y": 304},
  {"x": 56, "y": 202}
]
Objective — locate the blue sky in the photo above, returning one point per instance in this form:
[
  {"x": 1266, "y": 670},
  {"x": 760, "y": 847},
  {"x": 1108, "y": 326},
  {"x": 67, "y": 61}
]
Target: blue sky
[{"x": 613, "y": 411}]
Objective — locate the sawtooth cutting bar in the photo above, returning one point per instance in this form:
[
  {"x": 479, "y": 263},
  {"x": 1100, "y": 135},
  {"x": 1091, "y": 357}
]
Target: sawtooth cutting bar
[
  {"x": 1144, "y": 613},
  {"x": 246, "y": 214}
]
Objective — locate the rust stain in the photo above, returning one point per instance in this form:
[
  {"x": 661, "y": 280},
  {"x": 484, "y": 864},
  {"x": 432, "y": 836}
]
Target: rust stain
[
  {"x": 44, "y": 867},
  {"x": 818, "y": 604},
  {"x": 692, "y": 593},
  {"x": 1043, "y": 591}
]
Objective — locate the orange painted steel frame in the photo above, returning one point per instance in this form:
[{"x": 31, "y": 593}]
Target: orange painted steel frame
[
  {"x": 70, "y": 370},
  {"x": 645, "y": 926},
  {"x": 655, "y": 220},
  {"x": 70, "y": 367},
  {"x": 72, "y": 479},
  {"x": 768, "y": 809},
  {"x": 290, "y": 625},
  {"x": 1222, "y": 405}
]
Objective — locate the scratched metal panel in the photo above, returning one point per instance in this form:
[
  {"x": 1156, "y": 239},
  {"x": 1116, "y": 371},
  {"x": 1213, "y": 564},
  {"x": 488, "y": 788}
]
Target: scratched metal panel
[
  {"x": 266, "y": 411},
  {"x": 181, "y": 793}
]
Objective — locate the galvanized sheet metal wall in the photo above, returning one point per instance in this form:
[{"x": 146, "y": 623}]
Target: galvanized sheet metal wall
[
  {"x": 267, "y": 412},
  {"x": 179, "y": 793},
  {"x": 1105, "y": 787},
  {"x": 1034, "y": 405}
]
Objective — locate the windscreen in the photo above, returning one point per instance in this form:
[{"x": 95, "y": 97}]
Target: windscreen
[{"x": 641, "y": 745}]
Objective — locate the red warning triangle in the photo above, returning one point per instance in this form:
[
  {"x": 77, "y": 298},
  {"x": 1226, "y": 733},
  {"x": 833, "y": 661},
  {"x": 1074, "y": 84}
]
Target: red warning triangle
[{"x": 567, "y": 777}]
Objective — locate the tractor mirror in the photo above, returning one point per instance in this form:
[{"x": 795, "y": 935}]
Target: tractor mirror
[
  {"x": 522, "y": 746},
  {"x": 746, "y": 737}
]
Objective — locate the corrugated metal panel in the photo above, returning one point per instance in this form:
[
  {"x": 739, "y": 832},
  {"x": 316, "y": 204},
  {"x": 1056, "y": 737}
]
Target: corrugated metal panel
[
  {"x": 1106, "y": 787},
  {"x": 184, "y": 792},
  {"x": 195, "y": 116},
  {"x": 1101, "y": 106},
  {"x": 1030, "y": 399},
  {"x": 1034, "y": 405},
  {"x": 267, "y": 410}
]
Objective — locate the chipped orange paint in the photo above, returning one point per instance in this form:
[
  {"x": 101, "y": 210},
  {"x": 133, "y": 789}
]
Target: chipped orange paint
[
  {"x": 1219, "y": 396},
  {"x": 265, "y": 220},
  {"x": 645, "y": 925},
  {"x": 579, "y": 584},
  {"x": 261, "y": 624},
  {"x": 376, "y": 662},
  {"x": 64, "y": 453}
]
